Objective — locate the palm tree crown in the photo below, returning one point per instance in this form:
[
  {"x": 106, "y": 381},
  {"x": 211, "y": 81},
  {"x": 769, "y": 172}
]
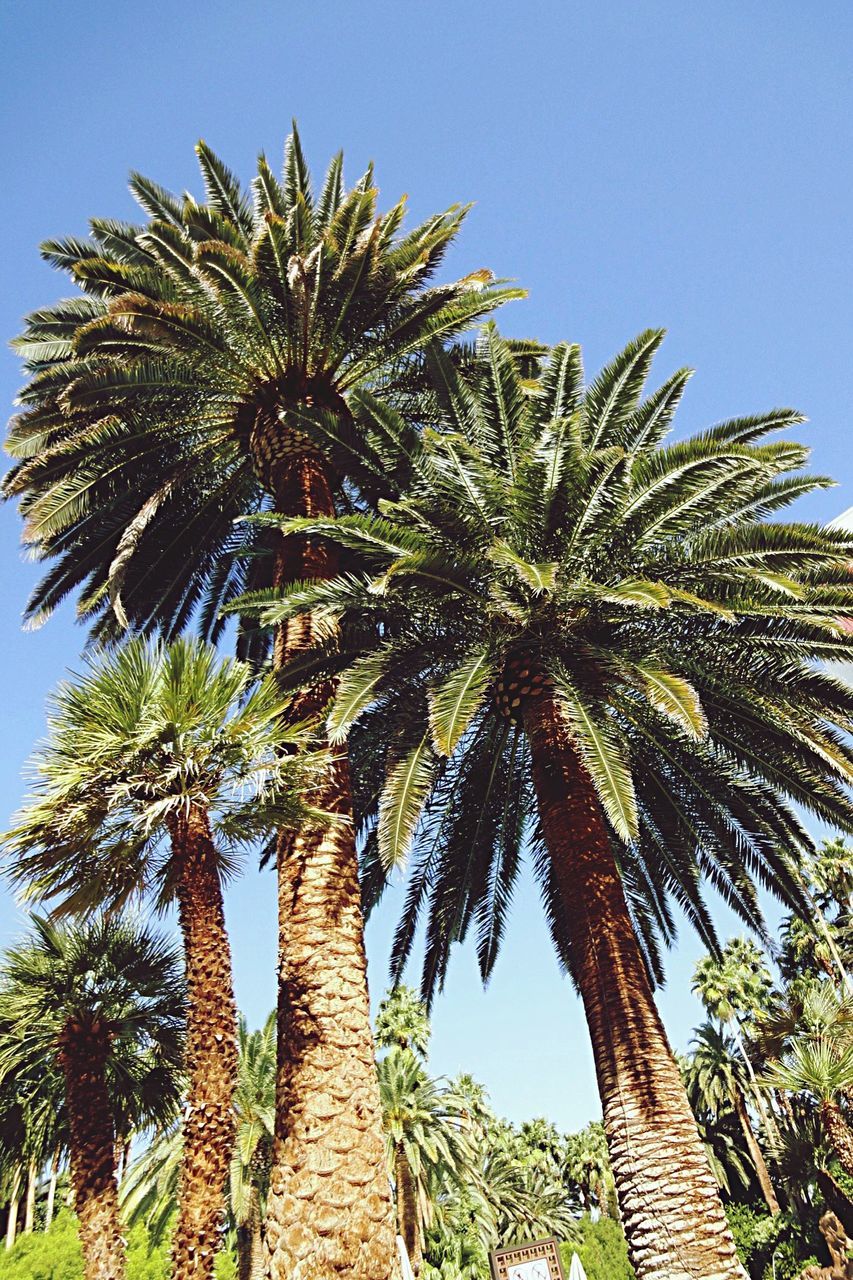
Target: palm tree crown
[
  {"x": 207, "y": 342},
  {"x": 145, "y": 734},
  {"x": 554, "y": 540},
  {"x": 116, "y": 977}
]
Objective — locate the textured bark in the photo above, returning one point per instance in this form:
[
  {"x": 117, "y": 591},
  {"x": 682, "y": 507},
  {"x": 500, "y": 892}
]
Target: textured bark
[
  {"x": 30, "y": 1209},
  {"x": 83, "y": 1053},
  {"x": 668, "y": 1196},
  {"x": 250, "y": 1244},
  {"x": 756, "y": 1155},
  {"x": 839, "y": 1133},
  {"x": 211, "y": 1054},
  {"x": 329, "y": 1208},
  {"x": 12, "y": 1219},
  {"x": 407, "y": 1209},
  {"x": 51, "y": 1191}
]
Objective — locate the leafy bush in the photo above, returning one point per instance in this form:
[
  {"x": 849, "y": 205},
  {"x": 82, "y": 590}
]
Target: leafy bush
[
  {"x": 56, "y": 1255},
  {"x": 601, "y": 1249},
  {"x": 52, "y": 1255}
]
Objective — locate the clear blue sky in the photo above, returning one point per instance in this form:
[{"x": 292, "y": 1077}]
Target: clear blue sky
[{"x": 633, "y": 164}]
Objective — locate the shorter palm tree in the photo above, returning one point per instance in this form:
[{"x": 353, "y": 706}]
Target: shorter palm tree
[
  {"x": 403, "y": 1021},
  {"x": 104, "y": 1001},
  {"x": 162, "y": 762},
  {"x": 149, "y": 1193},
  {"x": 716, "y": 1082},
  {"x": 587, "y": 1166},
  {"x": 822, "y": 1068},
  {"x": 424, "y": 1143}
]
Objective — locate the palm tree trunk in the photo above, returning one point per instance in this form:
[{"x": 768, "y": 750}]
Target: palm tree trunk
[
  {"x": 30, "y": 1210},
  {"x": 407, "y": 1208},
  {"x": 329, "y": 1209},
  {"x": 668, "y": 1196},
  {"x": 839, "y": 1133},
  {"x": 51, "y": 1191},
  {"x": 211, "y": 1053},
  {"x": 250, "y": 1244},
  {"x": 12, "y": 1220},
  {"x": 83, "y": 1053},
  {"x": 756, "y": 1155}
]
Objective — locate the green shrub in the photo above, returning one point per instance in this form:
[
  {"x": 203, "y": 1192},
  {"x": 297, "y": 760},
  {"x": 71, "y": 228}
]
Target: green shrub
[
  {"x": 56, "y": 1255},
  {"x": 602, "y": 1250},
  {"x": 51, "y": 1255}
]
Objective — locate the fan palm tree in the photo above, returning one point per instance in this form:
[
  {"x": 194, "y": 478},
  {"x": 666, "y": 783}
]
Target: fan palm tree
[
  {"x": 224, "y": 357},
  {"x": 104, "y": 1001},
  {"x": 161, "y": 761},
  {"x": 823, "y": 1068},
  {"x": 424, "y": 1140},
  {"x": 715, "y": 1083},
  {"x": 149, "y": 1193},
  {"x": 587, "y": 1166},
  {"x": 403, "y": 1021},
  {"x": 584, "y": 633}
]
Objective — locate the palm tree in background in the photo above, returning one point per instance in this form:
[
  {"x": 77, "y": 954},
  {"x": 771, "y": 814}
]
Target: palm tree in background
[
  {"x": 105, "y": 1002},
  {"x": 425, "y": 1143},
  {"x": 221, "y": 358},
  {"x": 587, "y": 1165},
  {"x": 717, "y": 1081},
  {"x": 822, "y": 1068},
  {"x": 403, "y": 1021},
  {"x": 149, "y": 1193},
  {"x": 161, "y": 763},
  {"x": 585, "y": 631}
]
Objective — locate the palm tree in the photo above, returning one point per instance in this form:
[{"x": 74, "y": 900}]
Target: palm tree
[
  {"x": 823, "y": 1068},
  {"x": 425, "y": 1143},
  {"x": 149, "y": 1193},
  {"x": 403, "y": 1021},
  {"x": 161, "y": 762},
  {"x": 105, "y": 1002},
  {"x": 715, "y": 1083},
  {"x": 587, "y": 1166},
  {"x": 222, "y": 358},
  {"x": 584, "y": 634},
  {"x": 734, "y": 987}
]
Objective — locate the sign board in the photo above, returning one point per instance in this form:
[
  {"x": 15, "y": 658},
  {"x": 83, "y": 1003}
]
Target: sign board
[{"x": 539, "y": 1260}]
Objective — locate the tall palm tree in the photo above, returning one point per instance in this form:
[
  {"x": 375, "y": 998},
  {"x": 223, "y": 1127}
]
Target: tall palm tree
[
  {"x": 716, "y": 1082},
  {"x": 584, "y": 634},
  {"x": 161, "y": 761},
  {"x": 425, "y": 1143},
  {"x": 105, "y": 1002},
  {"x": 403, "y": 1021},
  {"x": 224, "y": 357},
  {"x": 149, "y": 1192}
]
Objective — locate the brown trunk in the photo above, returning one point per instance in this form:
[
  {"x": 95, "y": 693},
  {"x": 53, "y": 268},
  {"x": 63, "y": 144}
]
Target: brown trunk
[
  {"x": 12, "y": 1220},
  {"x": 211, "y": 1055},
  {"x": 756, "y": 1155},
  {"x": 250, "y": 1245},
  {"x": 30, "y": 1210},
  {"x": 329, "y": 1209},
  {"x": 51, "y": 1191},
  {"x": 839, "y": 1134},
  {"x": 668, "y": 1197},
  {"x": 407, "y": 1209},
  {"x": 83, "y": 1053}
]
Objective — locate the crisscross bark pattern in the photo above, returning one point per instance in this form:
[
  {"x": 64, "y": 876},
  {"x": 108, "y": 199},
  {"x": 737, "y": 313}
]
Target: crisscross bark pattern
[
  {"x": 329, "y": 1211},
  {"x": 211, "y": 1056},
  {"x": 651, "y": 1132},
  {"x": 84, "y": 1048}
]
